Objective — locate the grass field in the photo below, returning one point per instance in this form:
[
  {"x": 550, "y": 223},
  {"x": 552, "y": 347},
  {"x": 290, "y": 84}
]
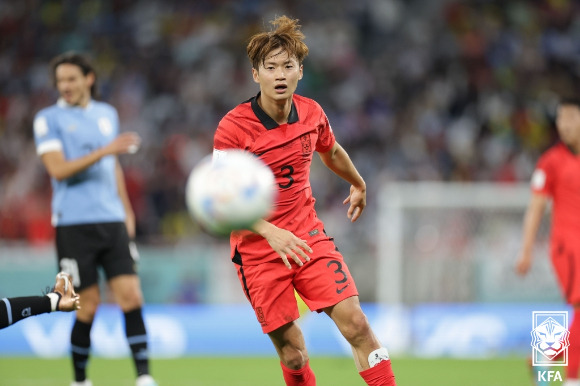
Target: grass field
[{"x": 265, "y": 371}]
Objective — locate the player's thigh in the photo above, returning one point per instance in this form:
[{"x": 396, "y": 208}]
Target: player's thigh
[
  {"x": 268, "y": 287},
  {"x": 127, "y": 291},
  {"x": 77, "y": 250},
  {"x": 118, "y": 258},
  {"x": 325, "y": 280},
  {"x": 119, "y": 264},
  {"x": 347, "y": 313},
  {"x": 353, "y": 323},
  {"x": 90, "y": 299}
]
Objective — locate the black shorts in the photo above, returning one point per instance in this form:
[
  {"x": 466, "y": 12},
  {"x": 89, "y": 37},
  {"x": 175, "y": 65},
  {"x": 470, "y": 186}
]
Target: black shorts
[{"x": 82, "y": 249}]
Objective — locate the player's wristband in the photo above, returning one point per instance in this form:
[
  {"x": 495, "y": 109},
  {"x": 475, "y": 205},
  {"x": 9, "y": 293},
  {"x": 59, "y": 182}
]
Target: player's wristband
[{"x": 54, "y": 300}]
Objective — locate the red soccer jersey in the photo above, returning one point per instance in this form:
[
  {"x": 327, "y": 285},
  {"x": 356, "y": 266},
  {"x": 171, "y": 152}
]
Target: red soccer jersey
[
  {"x": 557, "y": 175},
  {"x": 287, "y": 149}
]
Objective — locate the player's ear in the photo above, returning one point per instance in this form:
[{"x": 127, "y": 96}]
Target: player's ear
[
  {"x": 301, "y": 72},
  {"x": 90, "y": 79},
  {"x": 255, "y": 75}
]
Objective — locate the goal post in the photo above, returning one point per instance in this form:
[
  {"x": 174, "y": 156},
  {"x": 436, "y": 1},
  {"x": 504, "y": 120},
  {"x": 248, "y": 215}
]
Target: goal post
[{"x": 457, "y": 242}]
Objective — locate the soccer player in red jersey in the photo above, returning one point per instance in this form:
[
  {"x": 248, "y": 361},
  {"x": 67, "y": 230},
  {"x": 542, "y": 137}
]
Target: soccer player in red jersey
[
  {"x": 290, "y": 250},
  {"x": 557, "y": 178}
]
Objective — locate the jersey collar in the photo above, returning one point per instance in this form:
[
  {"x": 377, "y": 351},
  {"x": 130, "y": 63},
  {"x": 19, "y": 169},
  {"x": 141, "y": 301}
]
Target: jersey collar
[
  {"x": 266, "y": 120},
  {"x": 62, "y": 103}
]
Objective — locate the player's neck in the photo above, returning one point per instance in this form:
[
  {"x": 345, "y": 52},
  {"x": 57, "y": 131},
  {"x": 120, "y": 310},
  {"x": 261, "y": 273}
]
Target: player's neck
[
  {"x": 84, "y": 101},
  {"x": 277, "y": 110},
  {"x": 573, "y": 147}
]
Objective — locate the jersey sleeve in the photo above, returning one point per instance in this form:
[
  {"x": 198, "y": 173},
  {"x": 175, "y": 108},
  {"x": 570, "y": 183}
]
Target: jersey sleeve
[
  {"x": 225, "y": 136},
  {"x": 47, "y": 136},
  {"x": 543, "y": 177},
  {"x": 115, "y": 122},
  {"x": 326, "y": 137}
]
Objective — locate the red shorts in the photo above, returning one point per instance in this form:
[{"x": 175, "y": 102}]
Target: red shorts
[
  {"x": 566, "y": 261},
  {"x": 322, "y": 282}
]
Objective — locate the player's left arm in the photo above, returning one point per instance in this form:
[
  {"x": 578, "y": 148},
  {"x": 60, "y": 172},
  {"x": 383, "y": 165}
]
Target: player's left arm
[
  {"x": 337, "y": 160},
  {"x": 62, "y": 297},
  {"x": 122, "y": 190}
]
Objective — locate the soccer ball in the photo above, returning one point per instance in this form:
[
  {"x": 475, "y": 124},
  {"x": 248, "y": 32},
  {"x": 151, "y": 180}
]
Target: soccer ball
[{"x": 230, "y": 193}]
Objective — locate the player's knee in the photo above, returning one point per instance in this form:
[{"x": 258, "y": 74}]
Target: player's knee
[
  {"x": 294, "y": 358},
  {"x": 130, "y": 300},
  {"x": 87, "y": 311},
  {"x": 127, "y": 292},
  {"x": 356, "y": 328}
]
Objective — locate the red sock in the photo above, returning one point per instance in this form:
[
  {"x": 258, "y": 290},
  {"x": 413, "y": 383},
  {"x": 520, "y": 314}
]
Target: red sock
[
  {"x": 574, "y": 349},
  {"x": 380, "y": 375},
  {"x": 301, "y": 377}
]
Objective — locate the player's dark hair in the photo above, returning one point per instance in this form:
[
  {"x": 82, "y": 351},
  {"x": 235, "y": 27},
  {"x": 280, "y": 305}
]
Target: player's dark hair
[
  {"x": 570, "y": 101},
  {"x": 79, "y": 60},
  {"x": 287, "y": 36}
]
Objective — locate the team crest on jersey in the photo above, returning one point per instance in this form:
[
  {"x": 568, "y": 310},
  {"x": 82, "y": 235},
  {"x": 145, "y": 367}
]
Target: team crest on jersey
[
  {"x": 306, "y": 143},
  {"x": 105, "y": 126}
]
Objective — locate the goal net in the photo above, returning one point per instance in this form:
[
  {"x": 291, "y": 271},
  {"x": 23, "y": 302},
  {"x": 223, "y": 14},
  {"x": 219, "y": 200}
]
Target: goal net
[{"x": 458, "y": 242}]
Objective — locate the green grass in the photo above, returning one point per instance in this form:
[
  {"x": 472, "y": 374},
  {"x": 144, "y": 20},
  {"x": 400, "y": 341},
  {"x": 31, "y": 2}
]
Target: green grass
[{"x": 265, "y": 371}]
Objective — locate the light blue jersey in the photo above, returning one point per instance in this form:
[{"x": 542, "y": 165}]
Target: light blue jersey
[{"x": 90, "y": 196}]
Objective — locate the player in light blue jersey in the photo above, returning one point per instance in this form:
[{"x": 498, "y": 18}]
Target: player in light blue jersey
[{"x": 78, "y": 142}]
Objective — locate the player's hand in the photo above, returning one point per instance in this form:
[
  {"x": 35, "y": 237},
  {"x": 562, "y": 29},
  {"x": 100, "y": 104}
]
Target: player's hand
[
  {"x": 125, "y": 143},
  {"x": 357, "y": 200},
  {"x": 130, "y": 225},
  {"x": 284, "y": 243},
  {"x": 523, "y": 265},
  {"x": 69, "y": 300}
]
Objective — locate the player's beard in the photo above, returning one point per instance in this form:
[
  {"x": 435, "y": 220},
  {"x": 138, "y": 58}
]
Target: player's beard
[{"x": 74, "y": 98}]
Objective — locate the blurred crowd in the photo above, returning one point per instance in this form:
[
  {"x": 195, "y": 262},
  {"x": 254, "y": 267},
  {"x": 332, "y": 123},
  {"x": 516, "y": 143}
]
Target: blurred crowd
[{"x": 414, "y": 90}]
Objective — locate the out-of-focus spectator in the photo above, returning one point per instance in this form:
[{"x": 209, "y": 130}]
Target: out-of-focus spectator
[{"x": 436, "y": 90}]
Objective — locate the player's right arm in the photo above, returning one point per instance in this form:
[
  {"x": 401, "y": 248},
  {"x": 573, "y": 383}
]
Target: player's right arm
[
  {"x": 283, "y": 242},
  {"x": 60, "y": 168},
  {"x": 542, "y": 184},
  {"x": 532, "y": 220}
]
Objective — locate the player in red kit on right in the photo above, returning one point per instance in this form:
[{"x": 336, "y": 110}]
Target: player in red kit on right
[
  {"x": 557, "y": 178},
  {"x": 290, "y": 250}
]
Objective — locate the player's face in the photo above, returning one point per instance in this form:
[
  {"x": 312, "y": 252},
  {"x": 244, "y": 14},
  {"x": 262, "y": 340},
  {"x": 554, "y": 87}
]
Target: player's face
[
  {"x": 73, "y": 86},
  {"x": 278, "y": 75},
  {"x": 568, "y": 122}
]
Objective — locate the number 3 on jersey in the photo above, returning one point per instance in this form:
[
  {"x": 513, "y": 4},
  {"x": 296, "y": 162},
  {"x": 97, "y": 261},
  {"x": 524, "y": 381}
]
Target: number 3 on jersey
[{"x": 287, "y": 171}]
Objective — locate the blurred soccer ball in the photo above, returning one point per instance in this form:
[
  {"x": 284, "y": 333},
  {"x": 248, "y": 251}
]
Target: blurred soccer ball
[{"x": 230, "y": 193}]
